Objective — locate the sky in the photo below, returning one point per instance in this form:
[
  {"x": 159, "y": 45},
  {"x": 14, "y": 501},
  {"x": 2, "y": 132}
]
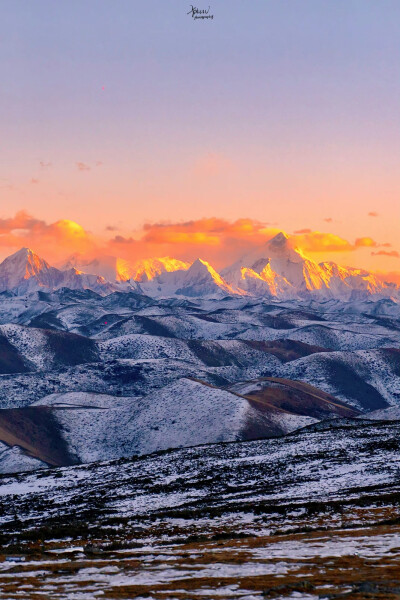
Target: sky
[{"x": 130, "y": 128}]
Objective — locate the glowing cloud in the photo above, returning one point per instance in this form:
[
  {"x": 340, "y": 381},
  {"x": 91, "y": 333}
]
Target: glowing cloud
[
  {"x": 389, "y": 277},
  {"x": 317, "y": 242},
  {"x": 218, "y": 240},
  {"x": 365, "y": 242},
  {"x": 54, "y": 240},
  {"x": 392, "y": 253},
  {"x": 68, "y": 230}
]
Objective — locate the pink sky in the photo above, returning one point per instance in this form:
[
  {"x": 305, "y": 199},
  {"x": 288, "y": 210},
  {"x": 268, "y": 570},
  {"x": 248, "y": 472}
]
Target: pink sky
[{"x": 282, "y": 113}]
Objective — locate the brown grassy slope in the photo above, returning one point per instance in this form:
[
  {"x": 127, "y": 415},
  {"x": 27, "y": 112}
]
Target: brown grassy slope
[{"x": 37, "y": 432}]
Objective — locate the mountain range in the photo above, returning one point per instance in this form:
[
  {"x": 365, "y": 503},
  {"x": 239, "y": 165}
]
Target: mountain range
[
  {"x": 102, "y": 359},
  {"x": 101, "y": 370},
  {"x": 276, "y": 270}
]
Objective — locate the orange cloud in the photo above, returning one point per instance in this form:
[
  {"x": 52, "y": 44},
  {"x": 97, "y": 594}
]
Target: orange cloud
[
  {"x": 220, "y": 241},
  {"x": 389, "y": 277},
  {"x": 392, "y": 253},
  {"x": 209, "y": 232},
  {"x": 365, "y": 242},
  {"x": 22, "y": 220},
  {"x": 211, "y": 226},
  {"x": 53, "y": 240},
  {"x": 317, "y": 241},
  {"x": 167, "y": 235}
]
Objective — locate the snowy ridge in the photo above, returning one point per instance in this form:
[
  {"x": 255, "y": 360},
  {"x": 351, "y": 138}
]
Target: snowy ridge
[{"x": 184, "y": 413}]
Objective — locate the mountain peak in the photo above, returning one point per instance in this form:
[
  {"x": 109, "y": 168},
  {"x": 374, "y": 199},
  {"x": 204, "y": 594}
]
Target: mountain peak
[
  {"x": 25, "y": 251},
  {"x": 279, "y": 240},
  {"x": 202, "y": 279},
  {"x": 147, "y": 269},
  {"x": 23, "y": 257},
  {"x": 199, "y": 263},
  {"x": 114, "y": 268},
  {"x": 23, "y": 266},
  {"x": 202, "y": 268}
]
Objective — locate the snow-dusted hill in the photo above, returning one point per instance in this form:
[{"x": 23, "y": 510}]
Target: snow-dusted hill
[
  {"x": 366, "y": 379},
  {"x": 24, "y": 349},
  {"x": 312, "y": 515},
  {"x": 293, "y": 396},
  {"x": 66, "y": 428},
  {"x": 142, "y": 352}
]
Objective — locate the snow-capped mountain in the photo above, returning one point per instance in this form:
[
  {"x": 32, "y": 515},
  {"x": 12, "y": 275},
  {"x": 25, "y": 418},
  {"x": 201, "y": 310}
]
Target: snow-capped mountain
[
  {"x": 109, "y": 267},
  {"x": 350, "y": 283},
  {"x": 199, "y": 280},
  {"x": 164, "y": 276},
  {"x": 119, "y": 269},
  {"x": 25, "y": 272},
  {"x": 149, "y": 268},
  {"x": 280, "y": 269}
]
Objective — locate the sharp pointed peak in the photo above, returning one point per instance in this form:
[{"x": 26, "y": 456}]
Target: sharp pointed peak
[
  {"x": 24, "y": 254},
  {"x": 24, "y": 251},
  {"x": 200, "y": 264},
  {"x": 279, "y": 238}
]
